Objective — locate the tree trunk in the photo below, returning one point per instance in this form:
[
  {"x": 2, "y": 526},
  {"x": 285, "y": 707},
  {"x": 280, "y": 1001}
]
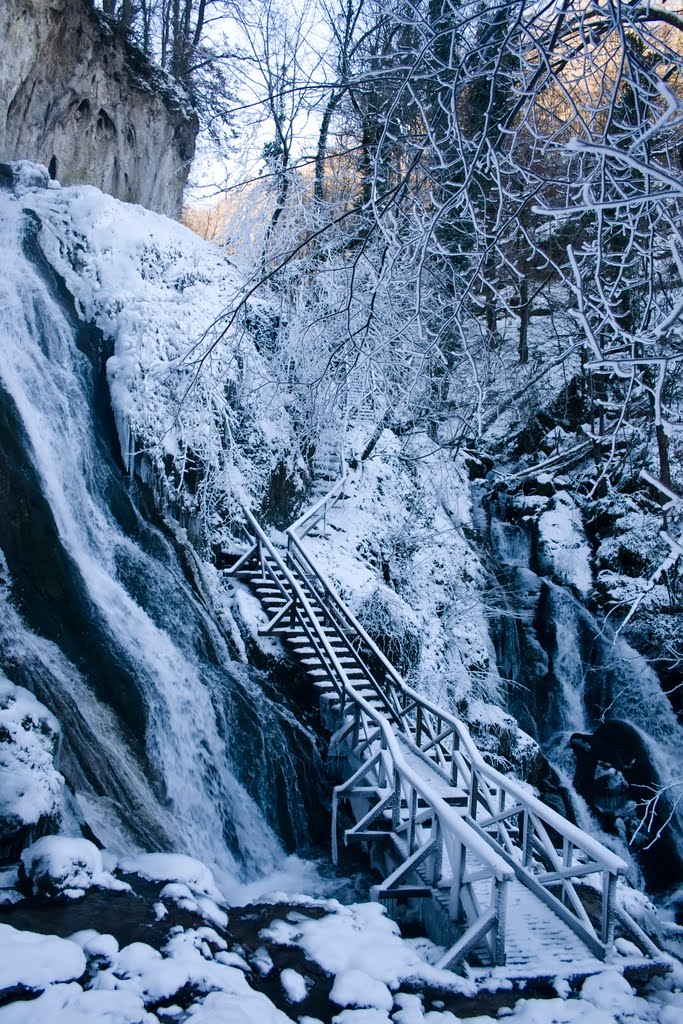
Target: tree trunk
[
  {"x": 321, "y": 151},
  {"x": 524, "y": 314},
  {"x": 663, "y": 449}
]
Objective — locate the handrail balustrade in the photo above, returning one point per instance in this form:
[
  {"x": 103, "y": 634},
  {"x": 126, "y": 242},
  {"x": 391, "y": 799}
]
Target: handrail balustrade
[
  {"x": 504, "y": 831},
  {"x": 495, "y": 800}
]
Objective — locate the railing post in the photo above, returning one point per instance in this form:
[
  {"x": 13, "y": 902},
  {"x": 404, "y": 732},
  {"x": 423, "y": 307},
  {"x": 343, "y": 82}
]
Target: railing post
[
  {"x": 292, "y": 612},
  {"x": 474, "y": 795},
  {"x": 356, "y": 725},
  {"x": 381, "y": 770},
  {"x": 418, "y": 725},
  {"x": 499, "y": 934},
  {"x": 609, "y": 891},
  {"x": 437, "y": 855},
  {"x": 567, "y": 853},
  {"x": 458, "y": 869},
  {"x": 454, "y": 764},
  {"x": 412, "y": 814},
  {"x": 527, "y": 839},
  {"x": 396, "y": 802}
]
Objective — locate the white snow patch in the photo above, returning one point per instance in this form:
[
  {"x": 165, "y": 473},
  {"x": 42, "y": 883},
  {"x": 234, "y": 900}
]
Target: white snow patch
[
  {"x": 182, "y": 895},
  {"x": 294, "y": 985},
  {"x": 250, "y": 1008},
  {"x": 360, "y": 937},
  {"x": 173, "y": 867},
  {"x": 361, "y": 1017},
  {"x": 356, "y": 988},
  {"x": 69, "y": 1004}
]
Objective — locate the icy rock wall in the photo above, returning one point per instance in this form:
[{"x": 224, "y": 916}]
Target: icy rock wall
[
  {"x": 591, "y": 701},
  {"x": 76, "y": 98}
]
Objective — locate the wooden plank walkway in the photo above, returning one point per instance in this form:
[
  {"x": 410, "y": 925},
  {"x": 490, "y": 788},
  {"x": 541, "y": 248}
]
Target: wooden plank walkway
[{"x": 518, "y": 885}]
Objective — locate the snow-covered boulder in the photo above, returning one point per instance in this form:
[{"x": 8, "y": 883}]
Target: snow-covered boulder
[
  {"x": 30, "y": 785},
  {"x": 563, "y": 544},
  {"x": 59, "y": 866},
  {"x": 22, "y": 175},
  {"x": 191, "y": 885},
  {"x": 174, "y": 867},
  {"x": 30, "y": 961}
]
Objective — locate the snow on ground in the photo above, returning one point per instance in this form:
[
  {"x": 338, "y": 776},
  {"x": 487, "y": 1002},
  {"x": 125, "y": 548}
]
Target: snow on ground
[
  {"x": 88, "y": 979},
  {"x": 30, "y": 785},
  {"x": 359, "y": 939}
]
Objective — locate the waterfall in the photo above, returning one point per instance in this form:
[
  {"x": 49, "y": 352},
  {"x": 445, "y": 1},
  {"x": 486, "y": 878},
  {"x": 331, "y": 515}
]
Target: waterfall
[{"x": 100, "y": 620}]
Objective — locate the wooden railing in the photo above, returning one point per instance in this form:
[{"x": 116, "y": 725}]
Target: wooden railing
[
  {"x": 549, "y": 854},
  {"x": 390, "y": 776},
  {"x": 502, "y": 831}
]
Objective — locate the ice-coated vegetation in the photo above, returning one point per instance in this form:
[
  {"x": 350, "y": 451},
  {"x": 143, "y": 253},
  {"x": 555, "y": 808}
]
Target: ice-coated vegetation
[{"x": 30, "y": 784}]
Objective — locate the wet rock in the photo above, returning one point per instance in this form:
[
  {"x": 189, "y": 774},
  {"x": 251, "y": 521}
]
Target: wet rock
[{"x": 79, "y": 99}]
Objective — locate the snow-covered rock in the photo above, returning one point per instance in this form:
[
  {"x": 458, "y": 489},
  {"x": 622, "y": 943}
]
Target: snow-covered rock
[
  {"x": 294, "y": 985},
  {"x": 173, "y": 867},
  {"x": 69, "y": 1004},
  {"x": 61, "y": 866},
  {"x": 33, "y": 962},
  {"x": 356, "y": 988},
  {"x": 563, "y": 542},
  {"x": 182, "y": 387},
  {"x": 359, "y": 939}
]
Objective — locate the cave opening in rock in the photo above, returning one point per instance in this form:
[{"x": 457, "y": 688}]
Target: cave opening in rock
[{"x": 52, "y": 168}]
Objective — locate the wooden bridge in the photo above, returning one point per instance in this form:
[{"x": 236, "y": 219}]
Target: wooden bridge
[{"x": 500, "y": 879}]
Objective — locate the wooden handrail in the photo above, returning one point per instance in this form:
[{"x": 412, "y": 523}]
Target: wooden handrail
[
  {"x": 455, "y": 824},
  {"x": 590, "y": 846},
  {"x": 516, "y": 835},
  {"x": 485, "y": 784}
]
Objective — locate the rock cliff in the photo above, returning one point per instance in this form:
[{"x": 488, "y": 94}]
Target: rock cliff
[{"x": 77, "y": 98}]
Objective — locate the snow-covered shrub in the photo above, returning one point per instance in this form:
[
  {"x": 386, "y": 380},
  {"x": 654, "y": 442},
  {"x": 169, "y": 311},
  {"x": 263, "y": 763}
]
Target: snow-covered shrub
[
  {"x": 30, "y": 785},
  {"x": 393, "y": 626}
]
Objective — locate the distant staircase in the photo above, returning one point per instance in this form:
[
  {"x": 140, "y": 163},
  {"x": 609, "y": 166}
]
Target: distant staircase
[
  {"x": 506, "y": 879},
  {"x": 327, "y": 462}
]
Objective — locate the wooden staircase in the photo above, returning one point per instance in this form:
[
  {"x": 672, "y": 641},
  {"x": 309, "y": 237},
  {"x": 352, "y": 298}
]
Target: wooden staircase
[{"x": 511, "y": 881}]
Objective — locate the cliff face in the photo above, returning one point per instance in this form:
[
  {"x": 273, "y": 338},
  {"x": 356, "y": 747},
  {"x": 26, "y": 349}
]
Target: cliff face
[{"x": 78, "y": 99}]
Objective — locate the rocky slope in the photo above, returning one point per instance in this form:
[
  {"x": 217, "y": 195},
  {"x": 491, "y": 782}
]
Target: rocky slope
[{"x": 77, "y": 98}]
